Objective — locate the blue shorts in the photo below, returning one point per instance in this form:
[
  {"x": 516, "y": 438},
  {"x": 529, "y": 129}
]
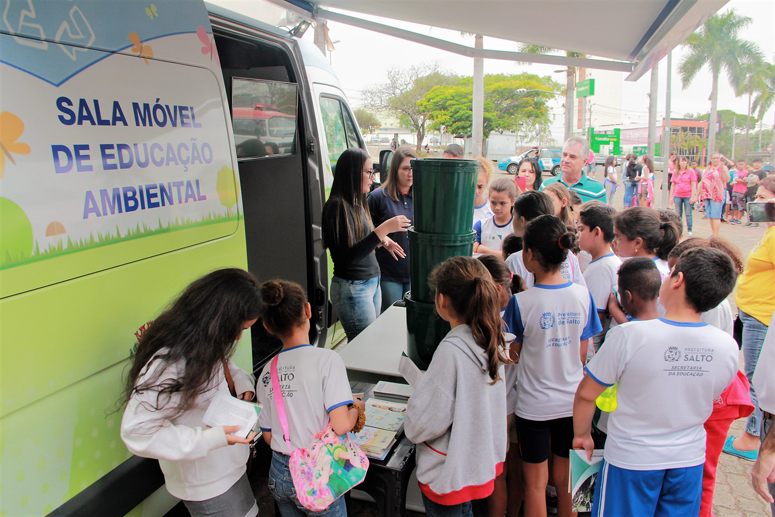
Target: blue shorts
[
  {"x": 633, "y": 493},
  {"x": 713, "y": 209}
]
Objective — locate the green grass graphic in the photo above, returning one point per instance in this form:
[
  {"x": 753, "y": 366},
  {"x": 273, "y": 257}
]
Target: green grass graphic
[{"x": 103, "y": 239}]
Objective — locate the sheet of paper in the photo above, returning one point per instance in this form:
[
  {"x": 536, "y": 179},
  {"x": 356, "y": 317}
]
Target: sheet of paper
[
  {"x": 410, "y": 371},
  {"x": 226, "y": 410}
]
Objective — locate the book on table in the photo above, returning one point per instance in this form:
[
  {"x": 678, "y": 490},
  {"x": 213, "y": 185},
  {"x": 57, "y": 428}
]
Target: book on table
[
  {"x": 393, "y": 391},
  {"x": 384, "y": 425}
]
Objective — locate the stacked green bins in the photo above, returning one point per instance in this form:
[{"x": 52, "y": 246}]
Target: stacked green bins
[{"x": 443, "y": 194}]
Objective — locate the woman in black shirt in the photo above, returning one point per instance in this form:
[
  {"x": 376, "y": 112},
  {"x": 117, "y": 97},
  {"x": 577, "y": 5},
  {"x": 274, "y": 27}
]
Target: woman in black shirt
[{"x": 351, "y": 238}]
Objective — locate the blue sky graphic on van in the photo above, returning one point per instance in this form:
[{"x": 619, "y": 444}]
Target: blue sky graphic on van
[{"x": 57, "y": 42}]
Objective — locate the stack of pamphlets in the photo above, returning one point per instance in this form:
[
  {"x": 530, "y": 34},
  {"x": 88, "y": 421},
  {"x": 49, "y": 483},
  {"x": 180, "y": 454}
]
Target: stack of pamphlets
[
  {"x": 392, "y": 391},
  {"x": 384, "y": 424},
  {"x": 582, "y": 479}
]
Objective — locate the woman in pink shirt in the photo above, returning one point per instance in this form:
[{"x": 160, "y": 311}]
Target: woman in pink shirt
[
  {"x": 713, "y": 186},
  {"x": 684, "y": 183}
]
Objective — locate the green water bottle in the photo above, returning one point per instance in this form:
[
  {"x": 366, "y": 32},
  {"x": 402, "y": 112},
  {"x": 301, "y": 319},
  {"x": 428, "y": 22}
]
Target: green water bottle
[{"x": 607, "y": 400}]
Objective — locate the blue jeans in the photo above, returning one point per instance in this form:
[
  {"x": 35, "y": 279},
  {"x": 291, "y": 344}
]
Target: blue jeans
[
  {"x": 682, "y": 205},
  {"x": 357, "y": 303},
  {"x": 630, "y": 191},
  {"x": 281, "y": 487},
  {"x": 439, "y": 510},
  {"x": 392, "y": 292},
  {"x": 753, "y": 338}
]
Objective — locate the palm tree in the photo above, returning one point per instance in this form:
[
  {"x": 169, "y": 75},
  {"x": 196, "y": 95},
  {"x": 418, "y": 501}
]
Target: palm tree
[
  {"x": 765, "y": 98},
  {"x": 750, "y": 79},
  {"x": 570, "y": 84},
  {"x": 716, "y": 45}
]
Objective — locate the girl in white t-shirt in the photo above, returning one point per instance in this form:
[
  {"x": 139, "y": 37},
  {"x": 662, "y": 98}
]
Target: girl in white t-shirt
[
  {"x": 314, "y": 386},
  {"x": 181, "y": 364},
  {"x": 638, "y": 232},
  {"x": 527, "y": 207},
  {"x": 553, "y": 322}
]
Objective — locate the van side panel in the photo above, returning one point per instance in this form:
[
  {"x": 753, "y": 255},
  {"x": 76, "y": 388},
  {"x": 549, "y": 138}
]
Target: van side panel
[{"x": 97, "y": 234}]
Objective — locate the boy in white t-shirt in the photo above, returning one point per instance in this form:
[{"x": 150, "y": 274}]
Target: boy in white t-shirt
[
  {"x": 491, "y": 231},
  {"x": 596, "y": 232},
  {"x": 668, "y": 371}
]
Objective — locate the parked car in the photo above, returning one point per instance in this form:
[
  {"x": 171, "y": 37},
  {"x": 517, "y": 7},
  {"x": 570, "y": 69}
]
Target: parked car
[{"x": 548, "y": 158}]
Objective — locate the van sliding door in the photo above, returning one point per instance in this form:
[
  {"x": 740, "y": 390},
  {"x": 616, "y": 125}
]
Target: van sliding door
[{"x": 266, "y": 99}]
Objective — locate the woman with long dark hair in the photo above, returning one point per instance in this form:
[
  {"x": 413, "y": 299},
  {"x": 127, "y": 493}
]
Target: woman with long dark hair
[
  {"x": 531, "y": 171},
  {"x": 394, "y": 198},
  {"x": 351, "y": 238},
  {"x": 181, "y": 363}
]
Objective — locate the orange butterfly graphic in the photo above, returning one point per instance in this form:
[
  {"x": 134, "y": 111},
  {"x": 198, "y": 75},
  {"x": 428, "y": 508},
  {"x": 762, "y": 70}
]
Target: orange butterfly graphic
[
  {"x": 143, "y": 50},
  {"x": 208, "y": 45},
  {"x": 11, "y": 128}
]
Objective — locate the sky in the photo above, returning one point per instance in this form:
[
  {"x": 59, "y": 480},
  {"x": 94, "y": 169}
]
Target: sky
[{"x": 362, "y": 57}]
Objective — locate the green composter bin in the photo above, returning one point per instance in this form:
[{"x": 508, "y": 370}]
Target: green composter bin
[
  {"x": 425, "y": 331},
  {"x": 443, "y": 195},
  {"x": 428, "y": 250}
]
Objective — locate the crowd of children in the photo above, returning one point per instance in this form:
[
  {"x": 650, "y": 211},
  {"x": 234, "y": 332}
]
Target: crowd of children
[
  {"x": 592, "y": 289},
  {"x": 592, "y": 297}
]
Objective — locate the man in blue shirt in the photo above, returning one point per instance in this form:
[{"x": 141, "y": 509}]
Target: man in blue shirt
[{"x": 574, "y": 157}]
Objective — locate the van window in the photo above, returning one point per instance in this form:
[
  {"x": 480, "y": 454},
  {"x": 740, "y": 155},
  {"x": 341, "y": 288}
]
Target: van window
[
  {"x": 339, "y": 128},
  {"x": 263, "y": 117}
]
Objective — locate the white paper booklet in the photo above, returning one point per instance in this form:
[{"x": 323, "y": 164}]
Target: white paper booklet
[
  {"x": 410, "y": 371},
  {"x": 226, "y": 410},
  {"x": 582, "y": 479}
]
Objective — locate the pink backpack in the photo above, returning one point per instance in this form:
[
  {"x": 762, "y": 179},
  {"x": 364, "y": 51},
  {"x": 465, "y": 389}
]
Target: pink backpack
[{"x": 325, "y": 470}]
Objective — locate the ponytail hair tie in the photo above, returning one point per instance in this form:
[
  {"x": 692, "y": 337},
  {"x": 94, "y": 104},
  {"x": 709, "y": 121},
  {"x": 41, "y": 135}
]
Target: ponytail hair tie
[
  {"x": 559, "y": 242},
  {"x": 511, "y": 276}
]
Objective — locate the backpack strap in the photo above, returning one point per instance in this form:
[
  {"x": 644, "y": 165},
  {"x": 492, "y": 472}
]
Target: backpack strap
[
  {"x": 229, "y": 379},
  {"x": 278, "y": 400}
]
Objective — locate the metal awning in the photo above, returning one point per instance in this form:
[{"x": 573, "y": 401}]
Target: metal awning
[{"x": 630, "y": 35}]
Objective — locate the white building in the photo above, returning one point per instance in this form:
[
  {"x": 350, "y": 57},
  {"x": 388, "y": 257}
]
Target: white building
[{"x": 604, "y": 108}]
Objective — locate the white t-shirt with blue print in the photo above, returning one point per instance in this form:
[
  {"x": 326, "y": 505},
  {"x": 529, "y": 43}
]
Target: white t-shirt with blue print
[
  {"x": 314, "y": 382},
  {"x": 667, "y": 373},
  {"x": 550, "y": 321},
  {"x": 491, "y": 234}
]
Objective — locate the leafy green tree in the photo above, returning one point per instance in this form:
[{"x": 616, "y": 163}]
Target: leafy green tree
[
  {"x": 717, "y": 46},
  {"x": 505, "y": 107},
  {"x": 403, "y": 92},
  {"x": 765, "y": 98},
  {"x": 751, "y": 76},
  {"x": 367, "y": 121}
]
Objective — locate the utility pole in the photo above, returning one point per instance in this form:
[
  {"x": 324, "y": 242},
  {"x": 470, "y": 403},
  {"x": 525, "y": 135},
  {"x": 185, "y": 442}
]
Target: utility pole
[
  {"x": 734, "y": 126},
  {"x": 569, "y": 100},
  {"x": 667, "y": 132},
  {"x": 584, "y": 117},
  {"x": 653, "y": 111},
  {"x": 478, "y": 100}
]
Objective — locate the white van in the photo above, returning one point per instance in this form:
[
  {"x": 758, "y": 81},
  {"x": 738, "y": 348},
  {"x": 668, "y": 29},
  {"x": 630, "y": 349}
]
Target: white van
[{"x": 141, "y": 145}]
